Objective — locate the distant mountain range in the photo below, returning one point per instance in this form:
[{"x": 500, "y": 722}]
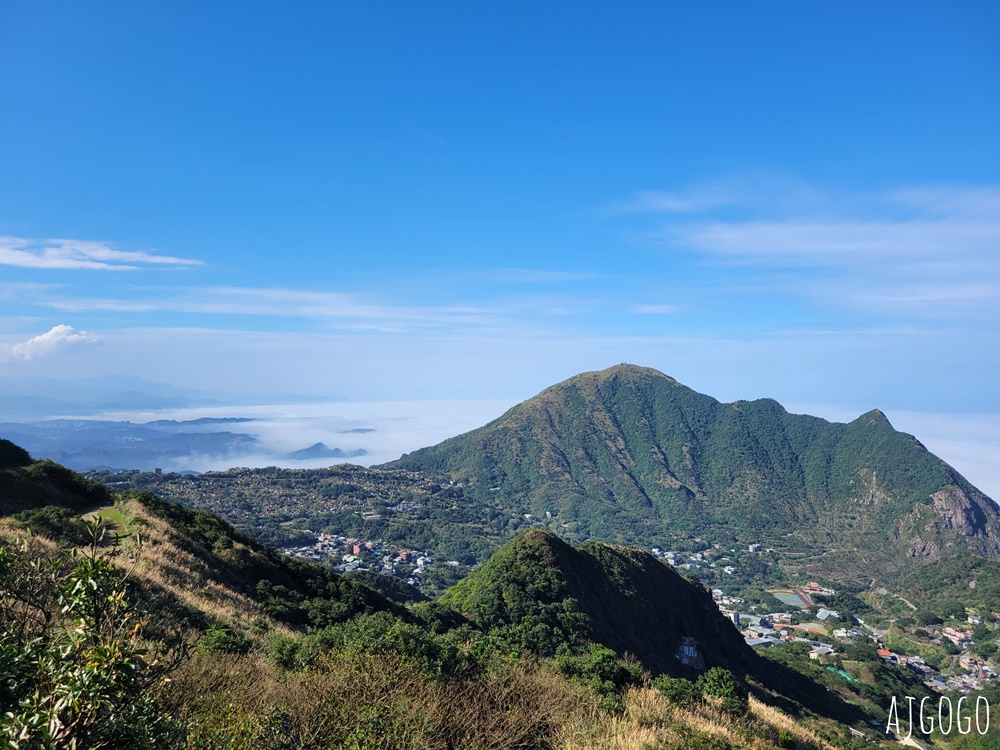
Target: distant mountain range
[
  {"x": 630, "y": 455},
  {"x": 94, "y": 445}
]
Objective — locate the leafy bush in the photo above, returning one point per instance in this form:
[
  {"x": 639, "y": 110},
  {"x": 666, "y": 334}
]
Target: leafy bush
[
  {"x": 380, "y": 633},
  {"x": 223, "y": 641},
  {"x": 677, "y": 689},
  {"x": 55, "y": 522},
  {"x": 77, "y": 672},
  {"x": 720, "y": 683},
  {"x": 601, "y": 670}
]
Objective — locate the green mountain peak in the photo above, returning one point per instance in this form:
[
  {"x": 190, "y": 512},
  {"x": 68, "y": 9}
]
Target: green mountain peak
[{"x": 629, "y": 455}]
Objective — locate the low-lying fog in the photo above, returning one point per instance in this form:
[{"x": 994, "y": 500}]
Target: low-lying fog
[{"x": 385, "y": 429}]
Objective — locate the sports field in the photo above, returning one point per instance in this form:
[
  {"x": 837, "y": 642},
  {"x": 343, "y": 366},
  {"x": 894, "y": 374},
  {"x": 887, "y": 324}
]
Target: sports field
[{"x": 792, "y": 597}]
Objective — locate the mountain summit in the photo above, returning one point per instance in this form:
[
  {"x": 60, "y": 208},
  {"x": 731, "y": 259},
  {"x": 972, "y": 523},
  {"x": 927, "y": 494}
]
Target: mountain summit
[{"x": 630, "y": 455}]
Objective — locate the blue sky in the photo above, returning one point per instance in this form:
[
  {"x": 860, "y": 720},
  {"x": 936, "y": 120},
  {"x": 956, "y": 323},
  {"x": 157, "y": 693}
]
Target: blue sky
[{"x": 429, "y": 201}]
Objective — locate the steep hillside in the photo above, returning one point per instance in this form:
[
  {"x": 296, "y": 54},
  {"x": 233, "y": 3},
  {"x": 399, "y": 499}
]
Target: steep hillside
[
  {"x": 194, "y": 563},
  {"x": 543, "y": 593},
  {"x": 368, "y": 672},
  {"x": 193, "y": 568},
  {"x": 538, "y": 593},
  {"x": 630, "y": 455},
  {"x": 26, "y": 484}
]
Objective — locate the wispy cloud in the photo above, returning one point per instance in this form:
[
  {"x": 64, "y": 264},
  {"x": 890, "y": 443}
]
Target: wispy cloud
[
  {"x": 46, "y": 343},
  {"x": 344, "y": 310},
  {"x": 846, "y": 242},
  {"x": 764, "y": 194},
  {"x": 680, "y": 202},
  {"x": 933, "y": 250},
  {"x": 80, "y": 254}
]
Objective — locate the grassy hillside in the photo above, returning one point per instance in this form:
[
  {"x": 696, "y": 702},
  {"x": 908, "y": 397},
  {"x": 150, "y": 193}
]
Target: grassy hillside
[
  {"x": 27, "y": 484},
  {"x": 262, "y": 651}
]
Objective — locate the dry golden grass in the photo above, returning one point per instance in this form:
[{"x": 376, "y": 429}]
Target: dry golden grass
[
  {"x": 363, "y": 700},
  {"x": 187, "y": 576},
  {"x": 168, "y": 571},
  {"x": 780, "y": 720},
  {"x": 651, "y": 722}
]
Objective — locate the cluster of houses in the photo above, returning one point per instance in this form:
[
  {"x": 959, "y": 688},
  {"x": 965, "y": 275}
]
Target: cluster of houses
[
  {"x": 958, "y": 637},
  {"x": 364, "y": 554},
  {"x": 693, "y": 560},
  {"x": 763, "y": 631},
  {"x": 977, "y": 674}
]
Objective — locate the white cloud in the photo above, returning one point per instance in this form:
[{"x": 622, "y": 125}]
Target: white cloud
[
  {"x": 46, "y": 343},
  {"x": 932, "y": 251},
  {"x": 529, "y": 276},
  {"x": 982, "y": 201},
  {"x": 79, "y": 254},
  {"x": 339, "y": 309},
  {"x": 765, "y": 194},
  {"x": 681, "y": 202},
  {"x": 846, "y": 242}
]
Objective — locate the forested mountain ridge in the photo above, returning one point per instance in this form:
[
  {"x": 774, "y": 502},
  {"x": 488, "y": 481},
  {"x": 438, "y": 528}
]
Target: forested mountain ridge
[{"x": 630, "y": 455}]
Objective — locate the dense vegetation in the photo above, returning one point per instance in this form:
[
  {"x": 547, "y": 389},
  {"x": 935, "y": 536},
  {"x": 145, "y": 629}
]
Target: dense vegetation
[
  {"x": 539, "y": 593},
  {"x": 26, "y": 484}
]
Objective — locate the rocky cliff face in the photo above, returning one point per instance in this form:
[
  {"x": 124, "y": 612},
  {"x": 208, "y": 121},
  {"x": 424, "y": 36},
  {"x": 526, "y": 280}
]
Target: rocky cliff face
[{"x": 969, "y": 516}]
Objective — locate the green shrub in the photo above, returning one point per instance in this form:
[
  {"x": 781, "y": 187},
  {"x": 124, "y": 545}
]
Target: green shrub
[
  {"x": 677, "y": 689},
  {"x": 55, "y": 522},
  {"x": 601, "y": 670},
  {"x": 223, "y": 641},
  {"x": 720, "y": 683},
  {"x": 76, "y": 671}
]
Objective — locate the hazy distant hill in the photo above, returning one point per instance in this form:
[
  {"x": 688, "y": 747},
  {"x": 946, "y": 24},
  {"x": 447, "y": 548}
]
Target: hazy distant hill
[
  {"x": 93, "y": 444},
  {"x": 628, "y": 454},
  {"x": 320, "y": 450},
  {"x": 32, "y": 398}
]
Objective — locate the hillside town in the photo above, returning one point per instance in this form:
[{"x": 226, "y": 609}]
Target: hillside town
[
  {"x": 349, "y": 554},
  {"x": 828, "y": 633}
]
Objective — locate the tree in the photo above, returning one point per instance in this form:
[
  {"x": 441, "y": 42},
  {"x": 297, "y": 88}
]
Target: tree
[{"x": 79, "y": 673}]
